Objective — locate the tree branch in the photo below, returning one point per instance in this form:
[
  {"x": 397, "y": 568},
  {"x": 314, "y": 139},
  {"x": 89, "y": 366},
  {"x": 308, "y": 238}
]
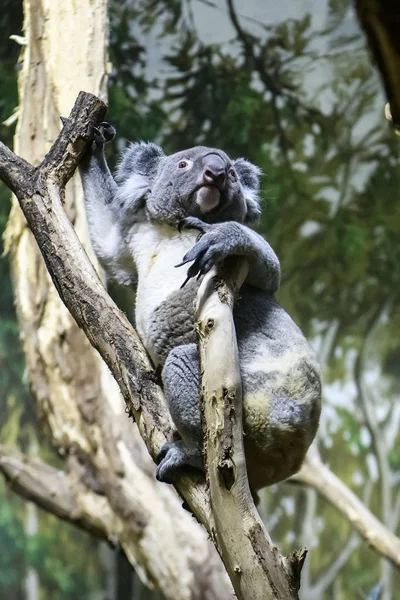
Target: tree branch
[
  {"x": 255, "y": 567},
  {"x": 15, "y": 172},
  {"x": 65, "y": 154},
  {"x": 59, "y": 493},
  {"x": 106, "y": 327},
  {"x": 318, "y": 476}
]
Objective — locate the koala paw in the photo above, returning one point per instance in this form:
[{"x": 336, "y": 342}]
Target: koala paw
[
  {"x": 173, "y": 457},
  {"x": 217, "y": 241},
  {"x": 103, "y": 134}
]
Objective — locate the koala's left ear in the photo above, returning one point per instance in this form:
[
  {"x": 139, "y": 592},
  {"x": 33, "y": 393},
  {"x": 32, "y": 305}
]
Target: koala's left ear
[{"x": 249, "y": 176}]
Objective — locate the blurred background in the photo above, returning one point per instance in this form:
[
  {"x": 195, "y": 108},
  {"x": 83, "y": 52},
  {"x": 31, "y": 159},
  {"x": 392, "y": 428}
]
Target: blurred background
[{"x": 290, "y": 86}]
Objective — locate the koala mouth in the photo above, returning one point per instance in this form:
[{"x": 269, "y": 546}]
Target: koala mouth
[{"x": 207, "y": 197}]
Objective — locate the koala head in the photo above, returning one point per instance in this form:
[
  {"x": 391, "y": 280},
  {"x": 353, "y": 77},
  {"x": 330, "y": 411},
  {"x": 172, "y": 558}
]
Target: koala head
[{"x": 200, "y": 182}]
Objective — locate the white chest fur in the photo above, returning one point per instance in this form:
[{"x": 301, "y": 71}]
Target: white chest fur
[{"x": 156, "y": 250}]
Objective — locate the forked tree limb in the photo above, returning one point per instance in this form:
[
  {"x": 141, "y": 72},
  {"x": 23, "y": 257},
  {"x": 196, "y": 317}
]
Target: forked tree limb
[
  {"x": 40, "y": 192},
  {"x": 81, "y": 290},
  {"x": 256, "y": 568}
]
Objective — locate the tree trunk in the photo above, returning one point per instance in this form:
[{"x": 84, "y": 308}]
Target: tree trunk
[
  {"x": 66, "y": 51},
  {"x": 380, "y": 20}
]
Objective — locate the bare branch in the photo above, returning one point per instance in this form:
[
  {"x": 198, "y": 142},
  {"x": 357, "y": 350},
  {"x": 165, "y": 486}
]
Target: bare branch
[
  {"x": 57, "y": 492},
  {"x": 12, "y": 167},
  {"x": 255, "y": 567},
  {"x": 82, "y": 292},
  {"x": 318, "y": 476},
  {"x": 66, "y": 152}
]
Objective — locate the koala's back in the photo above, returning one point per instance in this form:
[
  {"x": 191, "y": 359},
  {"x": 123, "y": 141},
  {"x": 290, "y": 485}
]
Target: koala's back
[{"x": 280, "y": 376}]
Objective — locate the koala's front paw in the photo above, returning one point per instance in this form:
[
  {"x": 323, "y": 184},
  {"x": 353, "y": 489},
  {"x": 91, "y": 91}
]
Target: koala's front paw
[
  {"x": 218, "y": 241},
  {"x": 103, "y": 134}
]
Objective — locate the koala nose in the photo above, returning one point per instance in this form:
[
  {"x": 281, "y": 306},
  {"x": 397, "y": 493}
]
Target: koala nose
[{"x": 214, "y": 171}]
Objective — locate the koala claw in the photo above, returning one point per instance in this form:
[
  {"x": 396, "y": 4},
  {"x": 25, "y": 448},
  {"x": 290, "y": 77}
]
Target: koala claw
[
  {"x": 193, "y": 223},
  {"x": 104, "y": 133},
  {"x": 169, "y": 460},
  {"x": 174, "y": 456},
  {"x": 207, "y": 251}
]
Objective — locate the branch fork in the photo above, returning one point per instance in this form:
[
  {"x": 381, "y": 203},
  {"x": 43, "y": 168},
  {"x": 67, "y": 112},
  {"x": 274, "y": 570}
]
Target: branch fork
[{"x": 254, "y": 565}]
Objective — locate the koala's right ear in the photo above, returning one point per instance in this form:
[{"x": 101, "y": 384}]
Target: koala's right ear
[
  {"x": 249, "y": 176},
  {"x": 136, "y": 172}
]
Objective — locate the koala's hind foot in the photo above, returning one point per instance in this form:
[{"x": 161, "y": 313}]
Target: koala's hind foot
[{"x": 175, "y": 457}]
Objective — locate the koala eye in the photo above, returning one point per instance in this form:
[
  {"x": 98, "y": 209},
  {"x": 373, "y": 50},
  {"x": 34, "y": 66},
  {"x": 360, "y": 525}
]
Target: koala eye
[
  {"x": 232, "y": 173},
  {"x": 185, "y": 164}
]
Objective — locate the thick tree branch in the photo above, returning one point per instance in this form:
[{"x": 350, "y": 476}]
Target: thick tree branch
[
  {"x": 58, "y": 493},
  {"x": 255, "y": 567},
  {"x": 66, "y": 152},
  {"x": 318, "y": 476},
  {"x": 11, "y": 168}
]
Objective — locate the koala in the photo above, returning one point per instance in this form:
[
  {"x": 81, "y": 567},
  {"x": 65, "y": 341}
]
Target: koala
[{"x": 159, "y": 226}]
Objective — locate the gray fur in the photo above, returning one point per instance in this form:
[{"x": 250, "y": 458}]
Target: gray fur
[
  {"x": 172, "y": 322},
  {"x": 202, "y": 189}
]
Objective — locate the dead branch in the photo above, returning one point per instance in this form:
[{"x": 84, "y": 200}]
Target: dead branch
[{"x": 80, "y": 288}]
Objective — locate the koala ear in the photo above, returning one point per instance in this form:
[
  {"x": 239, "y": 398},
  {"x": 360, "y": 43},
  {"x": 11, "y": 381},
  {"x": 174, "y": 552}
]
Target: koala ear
[
  {"x": 136, "y": 172},
  {"x": 249, "y": 176},
  {"x": 140, "y": 158}
]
